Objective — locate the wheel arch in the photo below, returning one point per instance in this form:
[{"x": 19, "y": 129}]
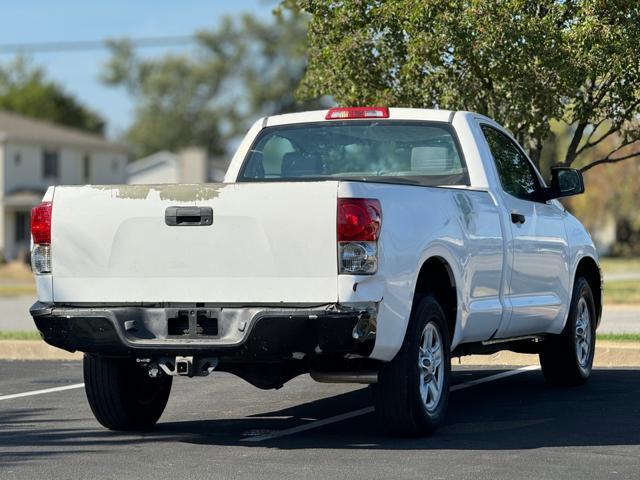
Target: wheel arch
[
  {"x": 588, "y": 268},
  {"x": 436, "y": 277}
]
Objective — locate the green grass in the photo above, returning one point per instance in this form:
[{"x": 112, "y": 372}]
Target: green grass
[
  {"x": 619, "y": 337},
  {"x": 622, "y": 291},
  {"x": 620, "y": 265},
  {"x": 626, "y": 291},
  {"x": 13, "y": 290},
  {"x": 19, "y": 336}
]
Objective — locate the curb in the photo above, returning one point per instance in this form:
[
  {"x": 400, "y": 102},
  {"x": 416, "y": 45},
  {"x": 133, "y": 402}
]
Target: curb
[
  {"x": 33, "y": 350},
  {"x": 621, "y": 306},
  {"x": 608, "y": 354}
]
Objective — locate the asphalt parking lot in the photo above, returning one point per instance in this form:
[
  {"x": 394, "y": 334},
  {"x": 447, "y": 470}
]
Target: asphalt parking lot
[{"x": 501, "y": 425}]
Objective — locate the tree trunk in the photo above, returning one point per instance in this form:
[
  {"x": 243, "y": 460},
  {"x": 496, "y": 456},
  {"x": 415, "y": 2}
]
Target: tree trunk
[
  {"x": 535, "y": 153},
  {"x": 573, "y": 146}
]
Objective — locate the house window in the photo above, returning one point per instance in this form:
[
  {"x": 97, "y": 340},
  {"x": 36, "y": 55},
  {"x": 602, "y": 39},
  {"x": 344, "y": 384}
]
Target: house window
[
  {"x": 50, "y": 164},
  {"x": 22, "y": 227},
  {"x": 86, "y": 167}
]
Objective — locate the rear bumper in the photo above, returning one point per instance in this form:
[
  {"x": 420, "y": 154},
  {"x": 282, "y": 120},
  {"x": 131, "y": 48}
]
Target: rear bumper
[{"x": 248, "y": 333}]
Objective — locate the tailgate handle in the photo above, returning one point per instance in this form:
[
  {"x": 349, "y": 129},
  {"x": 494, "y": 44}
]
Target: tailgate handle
[{"x": 188, "y": 216}]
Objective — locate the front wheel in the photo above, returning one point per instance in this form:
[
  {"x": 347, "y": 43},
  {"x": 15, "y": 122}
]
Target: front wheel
[
  {"x": 412, "y": 393},
  {"x": 567, "y": 359},
  {"x": 121, "y": 394}
]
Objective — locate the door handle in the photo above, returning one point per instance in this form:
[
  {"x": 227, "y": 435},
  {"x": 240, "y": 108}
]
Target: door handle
[
  {"x": 188, "y": 216},
  {"x": 517, "y": 218}
]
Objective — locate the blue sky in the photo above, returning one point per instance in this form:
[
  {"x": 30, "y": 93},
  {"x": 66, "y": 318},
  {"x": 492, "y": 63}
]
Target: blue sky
[{"x": 68, "y": 20}]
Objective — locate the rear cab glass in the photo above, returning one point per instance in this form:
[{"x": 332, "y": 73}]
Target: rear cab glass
[{"x": 420, "y": 153}]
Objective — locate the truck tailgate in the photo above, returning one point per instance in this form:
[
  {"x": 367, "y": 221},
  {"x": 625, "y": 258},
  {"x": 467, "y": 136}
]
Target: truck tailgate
[{"x": 267, "y": 243}]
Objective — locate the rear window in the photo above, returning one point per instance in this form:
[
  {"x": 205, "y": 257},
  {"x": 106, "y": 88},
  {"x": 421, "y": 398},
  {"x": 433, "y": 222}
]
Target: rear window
[{"x": 405, "y": 152}]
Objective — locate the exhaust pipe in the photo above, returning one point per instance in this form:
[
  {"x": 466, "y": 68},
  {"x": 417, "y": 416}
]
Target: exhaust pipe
[{"x": 365, "y": 377}]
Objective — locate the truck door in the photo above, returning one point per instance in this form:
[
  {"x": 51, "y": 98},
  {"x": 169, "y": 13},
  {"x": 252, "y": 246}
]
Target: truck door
[{"x": 538, "y": 252}]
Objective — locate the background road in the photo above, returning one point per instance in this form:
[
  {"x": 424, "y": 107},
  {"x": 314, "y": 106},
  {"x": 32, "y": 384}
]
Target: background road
[
  {"x": 15, "y": 316},
  {"x": 513, "y": 428},
  {"x": 620, "y": 319}
]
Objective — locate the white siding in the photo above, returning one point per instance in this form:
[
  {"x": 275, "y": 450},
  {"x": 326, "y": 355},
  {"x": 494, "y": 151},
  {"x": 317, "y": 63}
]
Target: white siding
[
  {"x": 70, "y": 167},
  {"x": 28, "y": 173},
  {"x": 108, "y": 168},
  {"x": 25, "y": 174},
  {"x": 162, "y": 172},
  {"x": 10, "y": 249}
]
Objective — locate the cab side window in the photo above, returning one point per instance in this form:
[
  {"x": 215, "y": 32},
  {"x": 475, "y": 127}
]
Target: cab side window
[{"x": 516, "y": 173}]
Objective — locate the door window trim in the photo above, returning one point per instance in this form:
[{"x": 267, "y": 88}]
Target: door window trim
[{"x": 540, "y": 181}]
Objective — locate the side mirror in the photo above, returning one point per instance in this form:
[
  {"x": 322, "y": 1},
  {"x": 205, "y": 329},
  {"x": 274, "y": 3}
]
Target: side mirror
[{"x": 565, "y": 182}]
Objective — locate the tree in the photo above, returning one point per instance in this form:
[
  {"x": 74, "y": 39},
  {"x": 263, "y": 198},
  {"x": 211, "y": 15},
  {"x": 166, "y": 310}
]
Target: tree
[
  {"x": 603, "y": 207},
  {"x": 25, "y": 89},
  {"x": 522, "y": 62},
  {"x": 242, "y": 69},
  {"x": 173, "y": 99}
]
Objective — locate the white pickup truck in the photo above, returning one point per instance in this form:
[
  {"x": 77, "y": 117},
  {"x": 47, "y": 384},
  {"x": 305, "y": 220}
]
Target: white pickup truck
[{"x": 361, "y": 245}]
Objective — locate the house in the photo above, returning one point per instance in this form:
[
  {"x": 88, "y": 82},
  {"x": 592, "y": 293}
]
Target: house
[
  {"x": 218, "y": 168},
  {"x": 190, "y": 165},
  {"x": 160, "y": 167},
  {"x": 35, "y": 154}
]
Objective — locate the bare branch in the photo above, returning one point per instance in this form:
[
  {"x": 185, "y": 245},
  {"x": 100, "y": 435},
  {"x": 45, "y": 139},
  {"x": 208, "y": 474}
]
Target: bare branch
[
  {"x": 595, "y": 128},
  {"x": 589, "y": 144},
  {"x": 610, "y": 159},
  {"x": 602, "y": 90},
  {"x": 614, "y": 128}
]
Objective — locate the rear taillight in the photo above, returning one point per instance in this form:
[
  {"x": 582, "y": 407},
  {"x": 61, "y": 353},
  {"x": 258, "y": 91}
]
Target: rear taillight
[
  {"x": 359, "y": 223},
  {"x": 41, "y": 235},
  {"x": 359, "y": 219},
  {"x": 345, "y": 113},
  {"x": 41, "y": 259}
]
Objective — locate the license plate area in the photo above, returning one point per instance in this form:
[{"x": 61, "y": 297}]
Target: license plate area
[{"x": 192, "y": 323}]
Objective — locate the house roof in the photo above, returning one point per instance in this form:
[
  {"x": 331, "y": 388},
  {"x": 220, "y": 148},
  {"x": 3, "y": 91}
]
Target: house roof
[
  {"x": 23, "y": 198},
  {"x": 152, "y": 161},
  {"x": 17, "y": 127}
]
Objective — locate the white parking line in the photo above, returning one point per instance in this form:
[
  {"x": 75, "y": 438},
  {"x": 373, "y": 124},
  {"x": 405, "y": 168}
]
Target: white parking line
[
  {"x": 497, "y": 376},
  {"x": 40, "y": 392},
  {"x": 364, "y": 411}
]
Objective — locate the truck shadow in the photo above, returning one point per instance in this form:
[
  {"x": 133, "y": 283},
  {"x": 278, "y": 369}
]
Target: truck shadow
[
  {"x": 516, "y": 413},
  {"x": 521, "y": 412}
]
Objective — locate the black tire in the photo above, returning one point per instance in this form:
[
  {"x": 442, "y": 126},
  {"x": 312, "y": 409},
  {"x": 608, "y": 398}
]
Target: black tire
[
  {"x": 559, "y": 359},
  {"x": 399, "y": 406},
  {"x": 121, "y": 394}
]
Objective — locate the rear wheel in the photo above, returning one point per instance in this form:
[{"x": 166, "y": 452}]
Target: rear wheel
[
  {"x": 121, "y": 394},
  {"x": 567, "y": 359},
  {"x": 413, "y": 390}
]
